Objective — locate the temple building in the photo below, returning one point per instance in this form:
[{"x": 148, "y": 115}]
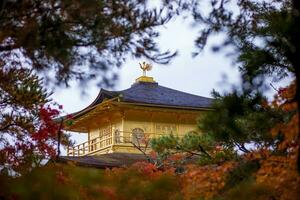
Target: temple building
[{"x": 120, "y": 121}]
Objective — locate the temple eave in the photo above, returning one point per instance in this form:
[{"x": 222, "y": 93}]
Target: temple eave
[{"x": 162, "y": 106}]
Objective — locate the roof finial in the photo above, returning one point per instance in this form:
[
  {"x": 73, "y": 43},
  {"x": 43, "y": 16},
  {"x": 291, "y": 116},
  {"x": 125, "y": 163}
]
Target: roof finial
[{"x": 145, "y": 67}]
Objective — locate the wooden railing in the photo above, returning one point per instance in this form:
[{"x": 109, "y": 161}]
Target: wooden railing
[
  {"x": 99, "y": 143},
  {"x": 90, "y": 146}
]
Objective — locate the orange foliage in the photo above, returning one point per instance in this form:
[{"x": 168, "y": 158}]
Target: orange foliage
[
  {"x": 259, "y": 154},
  {"x": 145, "y": 181},
  {"x": 279, "y": 173},
  {"x": 205, "y": 181},
  {"x": 283, "y": 100}
]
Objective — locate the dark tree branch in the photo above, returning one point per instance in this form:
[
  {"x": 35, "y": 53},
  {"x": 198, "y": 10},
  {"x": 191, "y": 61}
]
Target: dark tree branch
[
  {"x": 8, "y": 47},
  {"x": 241, "y": 147},
  {"x": 296, "y": 65},
  {"x": 5, "y": 127},
  {"x": 203, "y": 151},
  {"x": 143, "y": 151},
  {"x": 59, "y": 137}
]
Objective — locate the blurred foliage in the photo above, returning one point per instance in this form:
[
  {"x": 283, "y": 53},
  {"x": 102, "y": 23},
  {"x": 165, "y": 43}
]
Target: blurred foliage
[
  {"x": 235, "y": 127},
  {"x": 248, "y": 190},
  {"x": 205, "y": 182},
  {"x": 280, "y": 174},
  {"x": 27, "y": 132},
  {"x": 190, "y": 142},
  {"x": 243, "y": 172},
  {"x": 55, "y": 181},
  {"x": 79, "y": 39},
  {"x": 275, "y": 177},
  {"x": 192, "y": 147},
  {"x": 237, "y": 121},
  {"x": 263, "y": 39},
  {"x": 266, "y": 171},
  {"x": 219, "y": 157},
  {"x": 263, "y": 36},
  {"x": 289, "y": 128}
]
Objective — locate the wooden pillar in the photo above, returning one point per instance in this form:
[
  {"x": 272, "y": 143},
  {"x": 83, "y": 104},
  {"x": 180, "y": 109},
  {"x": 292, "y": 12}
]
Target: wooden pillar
[
  {"x": 89, "y": 137},
  {"x": 83, "y": 148},
  {"x": 178, "y": 118}
]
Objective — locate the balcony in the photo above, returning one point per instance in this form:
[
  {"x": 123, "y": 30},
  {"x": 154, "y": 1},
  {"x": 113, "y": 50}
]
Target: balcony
[{"x": 105, "y": 143}]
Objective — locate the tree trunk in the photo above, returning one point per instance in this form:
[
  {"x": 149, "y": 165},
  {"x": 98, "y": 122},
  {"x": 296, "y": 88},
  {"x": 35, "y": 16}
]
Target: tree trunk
[{"x": 296, "y": 53}]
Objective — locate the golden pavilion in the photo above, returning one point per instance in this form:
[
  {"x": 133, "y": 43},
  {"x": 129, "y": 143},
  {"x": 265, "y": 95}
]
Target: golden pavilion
[{"x": 119, "y": 121}]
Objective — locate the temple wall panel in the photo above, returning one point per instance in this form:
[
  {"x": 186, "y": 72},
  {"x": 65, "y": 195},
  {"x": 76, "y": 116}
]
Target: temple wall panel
[
  {"x": 104, "y": 129},
  {"x": 130, "y": 125},
  {"x": 157, "y": 129},
  {"x": 185, "y": 128},
  {"x": 94, "y": 133}
]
